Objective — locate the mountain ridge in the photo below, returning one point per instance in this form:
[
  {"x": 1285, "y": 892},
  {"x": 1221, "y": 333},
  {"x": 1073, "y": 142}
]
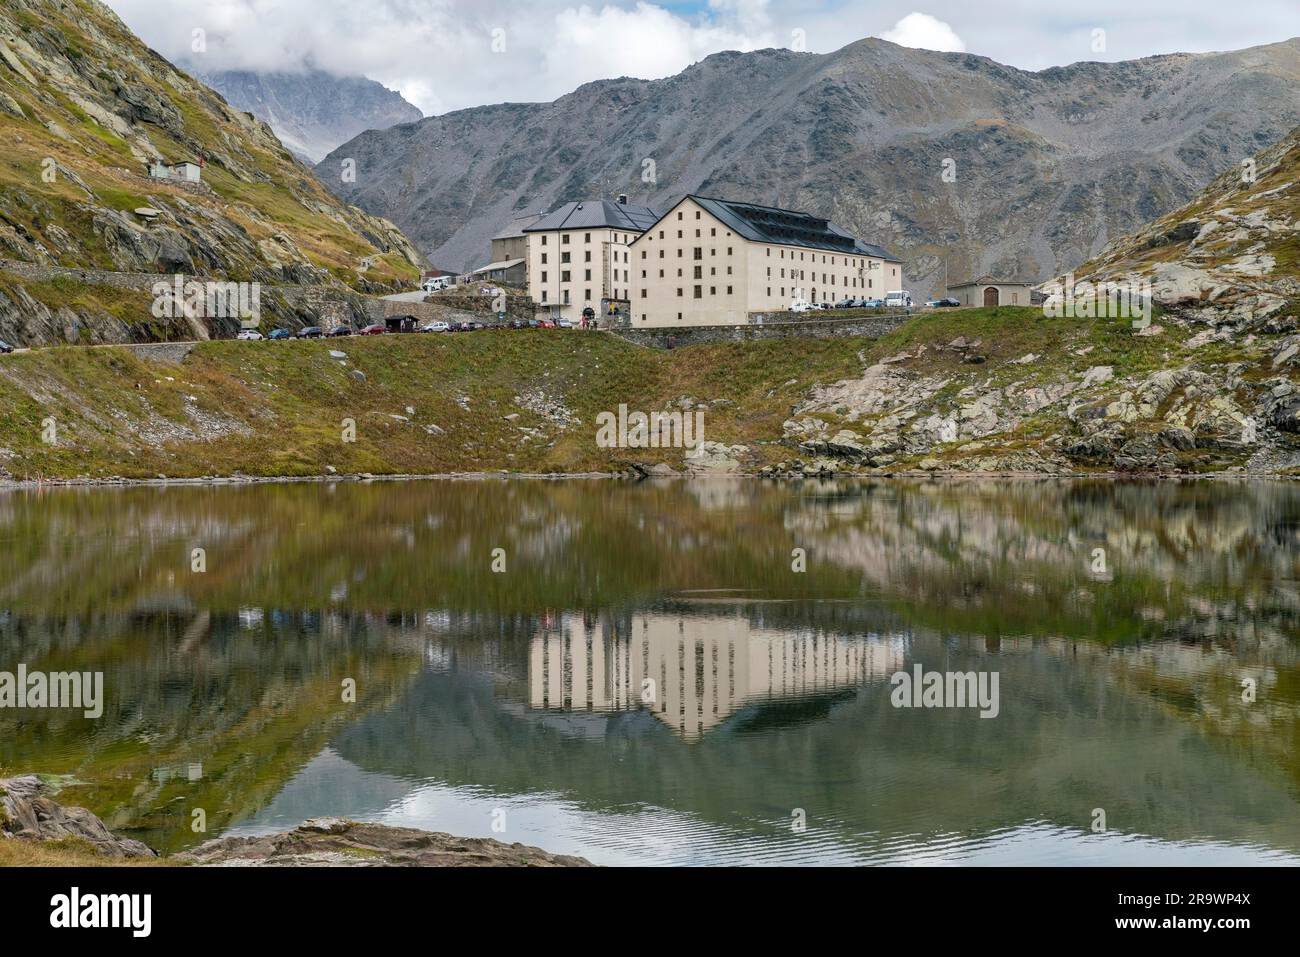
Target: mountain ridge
[
  {"x": 1046, "y": 173},
  {"x": 312, "y": 112},
  {"x": 85, "y": 110}
]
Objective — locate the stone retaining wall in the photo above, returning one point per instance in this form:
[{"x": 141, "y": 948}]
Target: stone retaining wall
[
  {"x": 517, "y": 307},
  {"x": 872, "y": 327}
]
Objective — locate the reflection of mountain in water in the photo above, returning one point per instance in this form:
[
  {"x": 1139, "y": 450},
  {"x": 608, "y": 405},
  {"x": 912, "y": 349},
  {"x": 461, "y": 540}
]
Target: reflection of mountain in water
[
  {"x": 1072, "y": 736},
  {"x": 1120, "y": 689},
  {"x": 693, "y": 672}
]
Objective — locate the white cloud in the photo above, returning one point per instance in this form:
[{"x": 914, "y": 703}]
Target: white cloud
[
  {"x": 439, "y": 52},
  {"x": 646, "y": 41},
  {"x": 924, "y": 32}
]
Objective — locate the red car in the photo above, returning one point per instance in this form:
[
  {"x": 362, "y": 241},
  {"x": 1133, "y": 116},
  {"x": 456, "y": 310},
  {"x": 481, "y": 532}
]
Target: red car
[
  {"x": 546, "y": 324},
  {"x": 378, "y": 329}
]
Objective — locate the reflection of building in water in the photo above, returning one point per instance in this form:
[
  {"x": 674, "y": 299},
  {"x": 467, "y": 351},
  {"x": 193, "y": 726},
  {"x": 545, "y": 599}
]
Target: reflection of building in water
[{"x": 692, "y": 671}]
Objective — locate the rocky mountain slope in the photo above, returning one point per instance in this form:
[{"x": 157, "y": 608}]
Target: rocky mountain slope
[
  {"x": 1046, "y": 167},
  {"x": 1213, "y": 383},
  {"x": 1210, "y": 384},
  {"x": 85, "y": 107},
  {"x": 312, "y": 112}
]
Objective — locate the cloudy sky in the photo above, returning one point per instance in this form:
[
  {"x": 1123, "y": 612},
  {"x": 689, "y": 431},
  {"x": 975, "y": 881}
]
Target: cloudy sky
[{"x": 446, "y": 55}]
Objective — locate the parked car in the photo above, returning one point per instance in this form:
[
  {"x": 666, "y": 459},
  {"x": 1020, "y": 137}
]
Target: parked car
[
  {"x": 341, "y": 331},
  {"x": 873, "y": 304},
  {"x": 436, "y": 326},
  {"x": 249, "y": 335},
  {"x": 278, "y": 334},
  {"x": 375, "y": 329},
  {"x": 545, "y": 324},
  {"x": 565, "y": 324},
  {"x": 800, "y": 305},
  {"x": 900, "y": 299},
  {"x": 438, "y": 282},
  {"x": 310, "y": 332},
  {"x": 5, "y": 348},
  {"x": 847, "y": 303},
  {"x": 517, "y": 324},
  {"x": 949, "y": 303}
]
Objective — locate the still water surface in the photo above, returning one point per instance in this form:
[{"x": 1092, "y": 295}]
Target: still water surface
[{"x": 650, "y": 680}]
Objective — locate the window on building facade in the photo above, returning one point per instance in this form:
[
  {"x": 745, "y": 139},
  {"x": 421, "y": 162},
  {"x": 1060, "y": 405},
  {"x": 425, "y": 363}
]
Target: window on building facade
[
  {"x": 699, "y": 292},
  {"x": 564, "y": 240},
  {"x": 564, "y": 275}
]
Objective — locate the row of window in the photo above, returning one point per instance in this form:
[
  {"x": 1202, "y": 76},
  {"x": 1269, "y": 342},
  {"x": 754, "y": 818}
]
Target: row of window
[
  {"x": 586, "y": 296},
  {"x": 619, "y": 238},
  {"x": 567, "y": 275},
  {"x": 564, "y": 257},
  {"x": 699, "y": 293}
]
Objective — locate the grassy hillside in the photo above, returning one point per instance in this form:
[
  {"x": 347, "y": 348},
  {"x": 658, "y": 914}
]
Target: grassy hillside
[
  {"x": 84, "y": 107},
  {"x": 527, "y": 401}
]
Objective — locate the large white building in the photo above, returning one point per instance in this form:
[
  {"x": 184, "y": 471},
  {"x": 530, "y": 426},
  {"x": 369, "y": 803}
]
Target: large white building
[
  {"x": 714, "y": 262},
  {"x": 579, "y": 256}
]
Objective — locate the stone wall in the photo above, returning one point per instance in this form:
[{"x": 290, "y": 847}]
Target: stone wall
[
  {"x": 462, "y": 300},
  {"x": 290, "y": 306},
  {"x": 33, "y": 272},
  {"x": 822, "y": 315},
  {"x": 872, "y": 327}
]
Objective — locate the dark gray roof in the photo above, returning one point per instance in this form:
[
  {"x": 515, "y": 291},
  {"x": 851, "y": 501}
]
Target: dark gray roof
[
  {"x": 597, "y": 214},
  {"x": 786, "y": 227},
  {"x": 517, "y": 226}
]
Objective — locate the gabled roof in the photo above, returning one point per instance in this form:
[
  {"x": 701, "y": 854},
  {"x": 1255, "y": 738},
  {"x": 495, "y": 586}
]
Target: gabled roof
[
  {"x": 597, "y": 214},
  {"x": 493, "y": 267},
  {"x": 517, "y": 226},
  {"x": 787, "y": 227}
]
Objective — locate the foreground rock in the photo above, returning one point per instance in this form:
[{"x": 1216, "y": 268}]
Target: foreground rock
[
  {"x": 28, "y": 813},
  {"x": 334, "y": 842}
]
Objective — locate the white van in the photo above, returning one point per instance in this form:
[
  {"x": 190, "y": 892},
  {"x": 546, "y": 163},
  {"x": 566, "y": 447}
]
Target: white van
[
  {"x": 800, "y": 305},
  {"x": 438, "y": 282},
  {"x": 902, "y": 299}
]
